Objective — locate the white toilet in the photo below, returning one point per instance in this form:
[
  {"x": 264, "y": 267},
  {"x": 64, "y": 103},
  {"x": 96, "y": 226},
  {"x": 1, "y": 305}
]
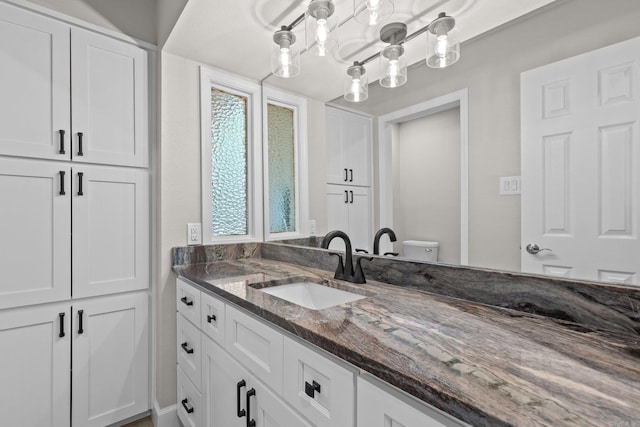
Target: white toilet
[{"x": 420, "y": 250}]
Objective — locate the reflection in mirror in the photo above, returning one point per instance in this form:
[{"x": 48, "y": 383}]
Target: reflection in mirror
[{"x": 490, "y": 67}]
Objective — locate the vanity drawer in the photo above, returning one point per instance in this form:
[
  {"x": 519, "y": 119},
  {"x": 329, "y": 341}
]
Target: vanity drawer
[
  {"x": 189, "y": 348},
  {"x": 256, "y": 346},
  {"x": 212, "y": 317},
  {"x": 189, "y": 406},
  {"x": 320, "y": 389},
  {"x": 188, "y": 301}
]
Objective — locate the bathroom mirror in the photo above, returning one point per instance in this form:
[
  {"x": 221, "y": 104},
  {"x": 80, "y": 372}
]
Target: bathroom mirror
[{"x": 490, "y": 70}]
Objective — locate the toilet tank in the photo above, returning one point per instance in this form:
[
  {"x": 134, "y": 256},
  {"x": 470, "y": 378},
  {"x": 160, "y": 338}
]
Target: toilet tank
[{"x": 420, "y": 250}]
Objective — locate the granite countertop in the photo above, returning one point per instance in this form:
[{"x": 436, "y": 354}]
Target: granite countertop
[{"x": 482, "y": 364}]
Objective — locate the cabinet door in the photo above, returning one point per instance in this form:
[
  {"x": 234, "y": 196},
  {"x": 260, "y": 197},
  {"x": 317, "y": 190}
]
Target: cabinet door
[
  {"x": 109, "y": 100},
  {"x": 34, "y": 106},
  {"x": 35, "y": 232},
  {"x": 110, "y": 359},
  {"x": 349, "y": 141},
  {"x": 223, "y": 394},
  {"x": 189, "y": 406},
  {"x": 34, "y": 366},
  {"x": 189, "y": 349},
  {"x": 356, "y": 134},
  {"x": 268, "y": 410},
  {"x": 110, "y": 230},
  {"x": 337, "y": 213},
  {"x": 360, "y": 211}
]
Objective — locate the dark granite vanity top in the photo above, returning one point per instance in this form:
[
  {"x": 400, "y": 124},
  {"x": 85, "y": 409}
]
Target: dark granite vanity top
[{"x": 483, "y": 364}]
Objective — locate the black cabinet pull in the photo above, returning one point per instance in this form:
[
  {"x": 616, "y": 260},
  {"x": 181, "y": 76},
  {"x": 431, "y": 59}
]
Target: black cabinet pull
[
  {"x": 186, "y": 406},
  {"x": 80, "y": 153},
  {"x": 250, "y": 422},
  {"x": 211, "y": 318},
  {"x": 186, "y": 301},
  {"x": 61, "y": 317},
  {"x": 350, "y": 175},
  {"x": 346, "y": 196},
  {"x": 61, "y": 151},
  {"x": 351, "y": 196},
  {"x": 80, "y": 329},
  {"x": 80, "y": 175},
  {"x": 345, "y": 175},
  {"x": 186, "y": 348},
  {"x": 311, "y": 389},
  {"x": 62, "y": 174},
  {"x": 241, "y": 412}
]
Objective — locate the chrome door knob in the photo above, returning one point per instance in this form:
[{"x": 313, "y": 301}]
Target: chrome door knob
[{"x": 533, "y": 249}]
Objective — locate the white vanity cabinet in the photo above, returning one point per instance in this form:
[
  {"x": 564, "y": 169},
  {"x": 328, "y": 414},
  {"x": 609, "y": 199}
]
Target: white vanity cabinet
[
  {"x": 349, "y": 142},
  {"x": 54, "y": 75},
  {"x": 258, "y": 372}
]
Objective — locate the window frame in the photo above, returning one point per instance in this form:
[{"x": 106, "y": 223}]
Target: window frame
[
  {"x": 209, "y": 79},
  {"x": 301, "y": 171}
]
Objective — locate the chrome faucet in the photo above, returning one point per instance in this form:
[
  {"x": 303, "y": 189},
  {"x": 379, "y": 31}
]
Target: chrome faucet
[
  {"x": 345, "y": 271},
  {"x": 376, "y": 240}
]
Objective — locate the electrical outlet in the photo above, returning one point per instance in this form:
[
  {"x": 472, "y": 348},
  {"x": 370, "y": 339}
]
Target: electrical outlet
[
  {"x": 510, "y": 185},
  {"x": 194, "y": 233}
]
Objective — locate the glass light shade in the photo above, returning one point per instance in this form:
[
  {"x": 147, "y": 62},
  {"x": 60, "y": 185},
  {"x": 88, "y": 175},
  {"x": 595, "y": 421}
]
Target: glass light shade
[
  {"x": 372, "y": 12},
  {"x": 443, "y": 48},
  {"x": 285, "y": 60},
  {"x": 320, "y": 28},
  {"x": 356, "y": 86},
  {"x": 393, "y": 66}
]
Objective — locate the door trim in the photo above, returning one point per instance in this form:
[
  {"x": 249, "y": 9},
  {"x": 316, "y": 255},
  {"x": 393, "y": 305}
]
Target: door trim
[{"x": 458, "y": 99}]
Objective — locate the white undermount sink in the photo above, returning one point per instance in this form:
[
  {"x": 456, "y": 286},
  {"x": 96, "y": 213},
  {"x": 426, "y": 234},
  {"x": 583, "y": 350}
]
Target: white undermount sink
[{"x": 312, "y": 295}]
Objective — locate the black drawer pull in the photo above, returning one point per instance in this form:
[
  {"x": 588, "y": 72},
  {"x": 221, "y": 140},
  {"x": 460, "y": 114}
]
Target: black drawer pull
[
  {"x": 62, "y": 174},
  {"x": 345, "y": 175},
  {"x": 241, "y": 412},
  {"x": 61, "y": 132},
  {"x": 61, "y": 317},
  {"x": 80, "y": 175},
  {"x": 311, "y": 389},
  {"x": 186, "y": 301},
  {"x": 350, "y": 175},
  {"x": 80, "y": 329},
  {"x": 346, "y": 196},
  {"x": 211, "y": 318},
  {"x": 80, "y": 153},
  {"x": 250, "y": 422},
  {"x": 186, "y": 348},
  {"x": 187, "y": 407},
  {"x": 351, "y": 196}
]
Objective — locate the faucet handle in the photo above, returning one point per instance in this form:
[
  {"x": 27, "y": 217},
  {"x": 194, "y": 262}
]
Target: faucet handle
[
  {"x": 340, "y": 268},
  {"x": 358, "y": 276},
  {"x": 362, "y": 250}
]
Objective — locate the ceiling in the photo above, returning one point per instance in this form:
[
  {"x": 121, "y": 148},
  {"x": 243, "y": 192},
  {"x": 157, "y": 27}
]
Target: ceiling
[{"x": 236, "y": 36}]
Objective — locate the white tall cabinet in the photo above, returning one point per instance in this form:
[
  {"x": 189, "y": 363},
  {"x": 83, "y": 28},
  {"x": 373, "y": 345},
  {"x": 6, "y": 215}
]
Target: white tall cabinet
[
  {"x": 349, "y": 165},
  {"x": 74, "y": 223}
]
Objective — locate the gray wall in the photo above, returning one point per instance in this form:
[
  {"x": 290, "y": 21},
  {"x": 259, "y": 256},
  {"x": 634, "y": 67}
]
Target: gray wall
[
  {"x": 426, "y": 179},
  {"x": 490, "y": 68}
]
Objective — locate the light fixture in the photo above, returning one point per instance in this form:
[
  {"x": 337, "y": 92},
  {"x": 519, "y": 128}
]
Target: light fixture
[
  {"x": 443, "y": 45},
  {"x": 356, "y": 87},
  {"x": 372, "y": 12},
  {"x": 393, "y": 62},
  {"x": 285, "y": 57},
  {"x": 320, "y": 27}
]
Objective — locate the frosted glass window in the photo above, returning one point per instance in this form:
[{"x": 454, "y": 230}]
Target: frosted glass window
[
  {"x": 229, "y": 180},
  {"x": 282, "y": 195}
]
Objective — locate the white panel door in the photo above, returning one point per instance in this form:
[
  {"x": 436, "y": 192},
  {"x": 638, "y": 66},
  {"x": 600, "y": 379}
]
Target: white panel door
[
  {"x": 110, "y": 359},
  {"x": 268, "y": 410},
  {"x": 109, "y": 100},
  {"x": 35, "y": 231},
  {"x": 337, "y": 213},
  {"x": 224, "y": 387},
  {"x": 349, "y": 141},
  {"x": 34, "y": 83},
  {"x": 34, "y": 366},
  {"x": 360, "y": 218},
  {"x": 110, "y": 230},
  {"x": 581, "y": 166}
]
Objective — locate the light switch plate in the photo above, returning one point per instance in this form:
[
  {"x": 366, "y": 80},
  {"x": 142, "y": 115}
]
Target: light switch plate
[
  {"x": 194, "y": 233},
  {"x": 509, "y": 185}
]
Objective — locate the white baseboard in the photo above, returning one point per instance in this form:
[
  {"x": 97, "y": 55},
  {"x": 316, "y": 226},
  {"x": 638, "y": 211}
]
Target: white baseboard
[{"x": 165, "y": 417}]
